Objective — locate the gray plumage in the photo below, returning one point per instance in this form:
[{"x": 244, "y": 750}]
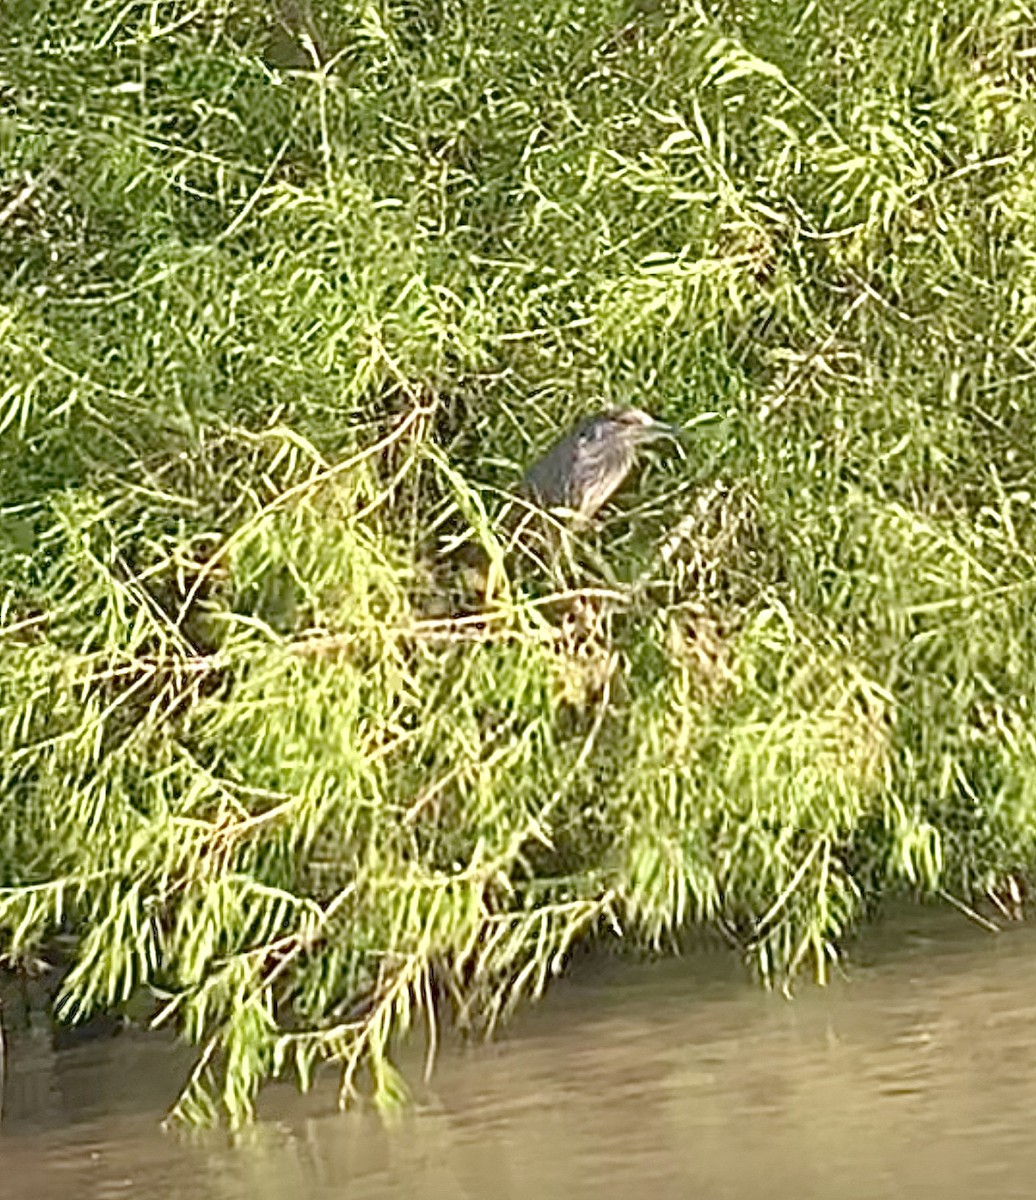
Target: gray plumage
[{"x": 584, "y": 469}]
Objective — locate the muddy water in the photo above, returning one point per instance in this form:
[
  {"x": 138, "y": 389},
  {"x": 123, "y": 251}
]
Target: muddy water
[{"x": 915, "y": 1076}]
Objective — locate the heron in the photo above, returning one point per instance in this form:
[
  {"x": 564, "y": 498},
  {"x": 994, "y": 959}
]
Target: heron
[{"x": 589, "y": 464}]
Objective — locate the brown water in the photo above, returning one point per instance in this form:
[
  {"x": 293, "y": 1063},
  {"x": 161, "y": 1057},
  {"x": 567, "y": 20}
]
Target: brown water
[{"x": 915, "y": 1076}]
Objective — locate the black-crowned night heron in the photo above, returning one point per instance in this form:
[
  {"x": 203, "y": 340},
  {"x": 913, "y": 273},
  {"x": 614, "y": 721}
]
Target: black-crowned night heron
[{"x": 589, "y": 464}]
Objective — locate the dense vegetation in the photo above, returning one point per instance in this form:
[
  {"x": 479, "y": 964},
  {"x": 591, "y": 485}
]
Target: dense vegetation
[{"x": 287, "y": 296}]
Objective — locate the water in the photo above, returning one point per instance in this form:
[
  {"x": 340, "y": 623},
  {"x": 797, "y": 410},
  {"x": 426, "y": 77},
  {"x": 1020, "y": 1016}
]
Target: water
[{"x": 914, "y": 1076}]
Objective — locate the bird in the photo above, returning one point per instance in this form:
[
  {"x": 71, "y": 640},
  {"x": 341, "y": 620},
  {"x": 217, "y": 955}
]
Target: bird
[{"x": 582, "y": 470}]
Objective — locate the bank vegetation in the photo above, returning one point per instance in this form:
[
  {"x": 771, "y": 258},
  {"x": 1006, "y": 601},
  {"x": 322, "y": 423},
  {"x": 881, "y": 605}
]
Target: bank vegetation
[{"x": 297, "y": 749}]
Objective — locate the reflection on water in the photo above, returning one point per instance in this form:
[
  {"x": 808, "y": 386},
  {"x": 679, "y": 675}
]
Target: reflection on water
[{"x": 915, "y": 1076}]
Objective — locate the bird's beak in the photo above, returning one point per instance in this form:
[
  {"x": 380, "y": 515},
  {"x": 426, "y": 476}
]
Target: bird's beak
[
  {"x": 679, "y": 432},
  {"x": 661, "y": 429}
]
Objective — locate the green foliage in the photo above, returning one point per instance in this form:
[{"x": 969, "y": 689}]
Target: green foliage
[{"x": 289, "y": 292}]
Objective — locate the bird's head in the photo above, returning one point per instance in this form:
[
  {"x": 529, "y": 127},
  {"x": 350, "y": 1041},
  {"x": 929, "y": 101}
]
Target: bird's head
[{"x": 637, "y": 426}]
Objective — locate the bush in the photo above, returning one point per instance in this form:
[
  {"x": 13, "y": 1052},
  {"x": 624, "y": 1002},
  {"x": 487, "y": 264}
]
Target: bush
[{"x": 289, "y": 294}]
